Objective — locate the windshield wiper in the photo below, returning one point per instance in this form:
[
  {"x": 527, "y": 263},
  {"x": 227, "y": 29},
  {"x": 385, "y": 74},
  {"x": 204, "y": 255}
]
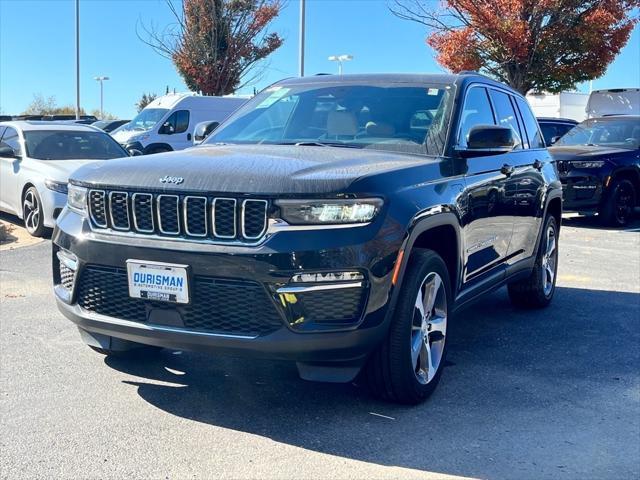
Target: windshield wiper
[{"x": 312, "y": 143}]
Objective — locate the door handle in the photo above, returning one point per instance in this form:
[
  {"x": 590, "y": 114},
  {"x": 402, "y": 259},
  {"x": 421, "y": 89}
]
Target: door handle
[
  {"x": 538, "y": 164},
  {"x": 507, "y": 170},
  {"x": 188, "y": 136}
]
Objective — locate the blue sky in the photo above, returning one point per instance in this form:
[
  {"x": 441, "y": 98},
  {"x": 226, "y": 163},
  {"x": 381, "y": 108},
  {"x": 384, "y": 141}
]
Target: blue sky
[{"x": 37, "y": 49}]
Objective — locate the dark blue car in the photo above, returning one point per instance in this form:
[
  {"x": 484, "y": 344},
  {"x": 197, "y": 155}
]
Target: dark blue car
[{"x": 599, "y": 165}]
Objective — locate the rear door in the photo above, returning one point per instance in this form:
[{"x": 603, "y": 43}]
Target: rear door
[{"x": 487, "y": 219}]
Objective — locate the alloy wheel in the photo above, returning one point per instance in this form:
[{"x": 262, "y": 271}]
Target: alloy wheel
[
  {"x": 31, "y": 211},
  {"x": 549, "y": 261},
  {"x": 429, "y": 328}
]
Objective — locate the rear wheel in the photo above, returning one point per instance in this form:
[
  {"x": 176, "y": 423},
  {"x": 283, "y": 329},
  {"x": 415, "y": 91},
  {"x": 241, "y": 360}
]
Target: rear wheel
[
  {"x": 537, "y": 290},
  {"x": 33, "y": 213},
  {"x": 407, "y": 366},
  {"x": 618, "y": 208}
]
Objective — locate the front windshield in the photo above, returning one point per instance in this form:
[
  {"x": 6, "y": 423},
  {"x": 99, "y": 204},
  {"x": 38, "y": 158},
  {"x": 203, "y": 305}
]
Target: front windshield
[
  {"x": 70, "y": 145},
  {"x": 145, "y": 120},
  {"x": 605, "y": 132},
  {"x": 405, "y": 118}
]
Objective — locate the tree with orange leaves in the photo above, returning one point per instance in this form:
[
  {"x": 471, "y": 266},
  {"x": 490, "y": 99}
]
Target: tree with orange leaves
[
  {"x": 541, "y": 45},
  {"x": 216, "y": 45}
]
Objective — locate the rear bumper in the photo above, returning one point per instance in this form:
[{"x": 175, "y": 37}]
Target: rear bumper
[{"x": 270, "y": 266}]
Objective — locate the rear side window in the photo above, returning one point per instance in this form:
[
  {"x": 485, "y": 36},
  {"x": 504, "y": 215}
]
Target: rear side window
[
  {"x": 530, "y": 124},
  {"x": 10, "y": 138},
  {"x": 476, "y": 111},
  {"x": 506, "y": 115}
]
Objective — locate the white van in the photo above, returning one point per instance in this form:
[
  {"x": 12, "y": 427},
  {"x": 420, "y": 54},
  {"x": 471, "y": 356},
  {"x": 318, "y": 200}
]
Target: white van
[
  {"x": 615, "y": 101},
  {"x": 168, "y": 122}
]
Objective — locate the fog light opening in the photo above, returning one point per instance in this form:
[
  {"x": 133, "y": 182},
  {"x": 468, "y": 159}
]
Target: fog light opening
[{"x": 67, "y": 259}]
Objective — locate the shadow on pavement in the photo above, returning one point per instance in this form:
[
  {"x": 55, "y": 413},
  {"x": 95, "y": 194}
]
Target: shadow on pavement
[
  {"x": 543, "y": 391},
  {"x": 594, "y": 222},
  {"x": 19, "y": 224}
]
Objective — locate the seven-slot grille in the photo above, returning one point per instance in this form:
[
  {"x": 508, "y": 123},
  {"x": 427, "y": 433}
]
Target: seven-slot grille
[{"x": 172, "y": 215}]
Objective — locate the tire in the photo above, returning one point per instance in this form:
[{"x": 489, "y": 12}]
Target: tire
[
  {"x": 396, "y": 369},
  {"x": 537, "y": 290},
  {"x": 33, "y": 213},
  {"x": 617, "y": 209}
]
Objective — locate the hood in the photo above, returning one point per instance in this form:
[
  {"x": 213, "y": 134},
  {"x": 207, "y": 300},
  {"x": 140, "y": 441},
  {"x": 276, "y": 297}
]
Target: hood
[
  {"x": 61, "y": 170},
  {"x": 585, "y": 152},
  {"x": 123, "y": 136},
  {"x": 250, "y": 169}
]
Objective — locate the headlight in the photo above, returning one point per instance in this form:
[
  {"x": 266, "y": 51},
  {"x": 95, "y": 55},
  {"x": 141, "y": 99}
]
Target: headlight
[
  {"x": 306, "y": 212},
  {"x": 588, "y": 164},
  {"x": 77, "y": 198},
  {"x": 60, "y": 187}
]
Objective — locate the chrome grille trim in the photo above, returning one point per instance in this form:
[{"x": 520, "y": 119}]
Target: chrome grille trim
[
  {"x": 168, "y": 232},
  {"x": 242, "y": 221},
  {"x": 133, "y": 212},
  {"x": 103, "y": 194},
  {"x": 213, "y": 217},
  {"x": 185, "y": 202},
  {"x": 110, "y": 209}
]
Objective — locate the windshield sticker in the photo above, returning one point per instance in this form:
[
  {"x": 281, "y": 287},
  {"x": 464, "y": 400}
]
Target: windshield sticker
[
  {"x": 433, "y": 91},
  {"x": 276, "y": 94}
]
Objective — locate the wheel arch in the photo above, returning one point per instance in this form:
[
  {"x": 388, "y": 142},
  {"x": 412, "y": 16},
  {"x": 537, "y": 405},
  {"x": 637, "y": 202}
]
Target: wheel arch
[
  {"x": 631, "y": 174},
  {"x": 157, "y": 146}
]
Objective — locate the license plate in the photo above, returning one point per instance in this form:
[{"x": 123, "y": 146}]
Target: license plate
[{"x": 157, "y": 281}]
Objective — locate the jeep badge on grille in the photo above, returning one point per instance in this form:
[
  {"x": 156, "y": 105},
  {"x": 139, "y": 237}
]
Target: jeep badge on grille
[{"x": 174, "y": 180}]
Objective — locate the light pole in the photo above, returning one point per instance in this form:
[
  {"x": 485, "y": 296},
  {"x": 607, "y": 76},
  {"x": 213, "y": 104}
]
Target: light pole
[
  {"x": 301, "y": 43},
  {"x": 77, "y": 59},
  {"x": 101, "y": 79},
  {"x": 340, "y": 59}
]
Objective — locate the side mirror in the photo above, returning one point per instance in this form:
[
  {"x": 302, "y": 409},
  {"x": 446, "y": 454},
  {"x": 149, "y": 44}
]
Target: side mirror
[
  {"x": 8, "y": 152},
  {"x": 134, "y": 152},
  {"x": 485, "y": 140},
  {"x": 167, "y": 129},
  {"x": 555, "y": 139},
  {"x": 202, "y": 131}
]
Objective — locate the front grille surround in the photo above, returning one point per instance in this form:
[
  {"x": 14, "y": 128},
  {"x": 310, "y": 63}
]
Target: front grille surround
[
  {"x": 146, "y": 199},
  {"x": 202, "y": 215},
  {"x": 168, "y": 215},
  {"x": 98, "y": 208},
  {"x": 116, "y": 212},
  {"x": 249, "y": 223}
]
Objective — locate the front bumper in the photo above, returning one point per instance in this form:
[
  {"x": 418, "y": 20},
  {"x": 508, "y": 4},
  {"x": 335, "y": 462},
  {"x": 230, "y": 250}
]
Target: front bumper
[
  {"x": 53, "y": 203},
  {"x": 291, "y": 334},
  {"x": 582, "y": 190}
]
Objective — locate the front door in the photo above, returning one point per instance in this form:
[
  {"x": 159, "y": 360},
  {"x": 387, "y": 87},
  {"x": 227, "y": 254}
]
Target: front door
[{"x": 9, "y": 167}]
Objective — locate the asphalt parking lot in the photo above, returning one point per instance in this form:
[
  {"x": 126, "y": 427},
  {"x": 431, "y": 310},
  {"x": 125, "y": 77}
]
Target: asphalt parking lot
[{"x": 527, "y": 395}]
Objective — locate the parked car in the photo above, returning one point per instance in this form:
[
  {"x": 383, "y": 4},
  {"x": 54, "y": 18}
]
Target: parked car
[
  {"x": 613, "y": 101},
  {"x": 36, "y": 159},
  {"x": 554, "y": 128},
  {"x": 168, "y": 122},
  {"x": 109, "y": 125},
  {"x": 599, "y": 165},
  {"x": 322, "y": 223}
]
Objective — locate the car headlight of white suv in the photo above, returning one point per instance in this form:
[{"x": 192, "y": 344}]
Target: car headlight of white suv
[{"x": 77, "y": 198}]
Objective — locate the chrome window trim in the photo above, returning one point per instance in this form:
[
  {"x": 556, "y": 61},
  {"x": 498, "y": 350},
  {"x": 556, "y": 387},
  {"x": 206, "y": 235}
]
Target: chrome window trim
[
  {"x": 133, "y": 211},
  {"x": 162, "y": 230},
  {"x": 104, "y": 203},
  {"x": 185, "y": 213},
  {"x": 264, "y": 223},
  {"x": 213, "y": 217},
  {"x": 126, "y": 198}
]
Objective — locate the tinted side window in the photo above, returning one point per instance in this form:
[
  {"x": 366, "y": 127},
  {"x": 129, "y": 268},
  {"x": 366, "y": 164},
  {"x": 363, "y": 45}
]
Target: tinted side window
[
  {"x": 11, "y": 138},
  {"x": 1, "y": 131},
  {"x": 179, "y": 120},
  {"x": 476, "y": 111},
  {"x": 530, "y": 124},
  {"x": 506, "y": 115}
]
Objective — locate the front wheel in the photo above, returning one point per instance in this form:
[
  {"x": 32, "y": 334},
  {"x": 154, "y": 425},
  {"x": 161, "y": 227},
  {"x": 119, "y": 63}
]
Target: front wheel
[
  {"x": 618, "y": 208},
  {"x": 407, "y": 366},
  {"x": 537, "y": 290},
  {"x": 33, "y": 213}
]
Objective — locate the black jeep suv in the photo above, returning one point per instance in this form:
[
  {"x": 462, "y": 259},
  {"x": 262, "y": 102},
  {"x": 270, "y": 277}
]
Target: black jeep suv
[
  {"x": 599, "y": 164},
  {"x": 335, "y": 221}
]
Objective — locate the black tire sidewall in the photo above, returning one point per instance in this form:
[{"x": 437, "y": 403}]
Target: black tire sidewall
[
  {"x": 610, "y": 213},
  {"x": 550, "y": 220},
  {"x": 407, "y": 387}
]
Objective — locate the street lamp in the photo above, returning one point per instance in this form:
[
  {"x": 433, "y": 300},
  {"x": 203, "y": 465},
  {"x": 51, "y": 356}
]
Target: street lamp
[
  {"x": 340, "y": 59},
  {"x": 101, "y": 79}
]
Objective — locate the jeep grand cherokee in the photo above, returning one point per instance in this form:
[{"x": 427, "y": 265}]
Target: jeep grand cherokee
[{"x": 334, "y": 221}]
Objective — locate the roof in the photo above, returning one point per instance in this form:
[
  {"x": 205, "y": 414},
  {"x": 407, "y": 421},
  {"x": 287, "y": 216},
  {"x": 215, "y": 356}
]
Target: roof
[
  {"x": 412, "y": 78},
  {"x": 30, "y": 125}
]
